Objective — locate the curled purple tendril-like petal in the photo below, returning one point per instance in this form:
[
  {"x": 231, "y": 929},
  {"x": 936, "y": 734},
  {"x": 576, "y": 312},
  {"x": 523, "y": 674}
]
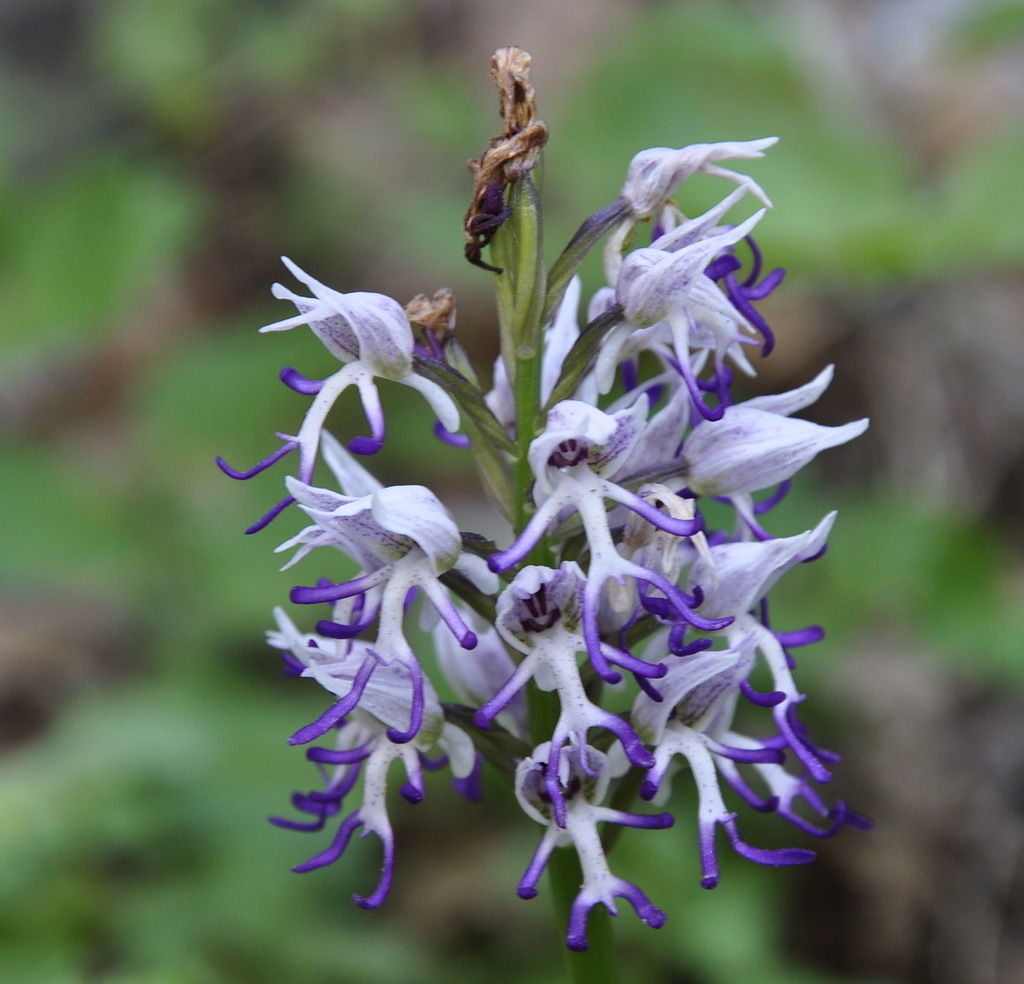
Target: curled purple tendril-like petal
[
  {"x": 319, "y": 804},
  {"x": 321, "y": 592},
  {"x": 268, "y": 517},
  {"x": 693, "y": 386},
  {"x": 416, "y": 711},
  {"x": 677, "y": 647},
  {"x": 339, "y": 630},
  {"x": 367, "y": 445},
  {"x": 455, "y": 440},
  {"x": 386, "y": 874},
  {"x": 433, "y": 764},
  {"x": 340, "y": 756},
  {"x": 576, "y": 937},
  {"x": 794, "y": 733},
  {"x": 766, "y": 856},
  {"x": 296, "y": 381},
  {"x": 662, "y": 520},
  {"x": 349, "y": 825},
  {"x": 774, "y": 499},
  {"x": 375, "y": 417},
  {"x": 719, "y": 383},
  {"x": 633, "y": 664},
  {"x": 762, "y": 855},
  {"x": 322, "y": 810},
  {"x": 472, "y": 786},
  {"x": 769, "y": 699},
  {"x": 764, "y": 754},
  {"x": 768, "y": 804},
  {"x": 286, "y": 448},
  {"x": 721, "y": 266},
  {"x": 836, "y": 816},
  {"x": 292, "y": 666},
  {"x": 333, "y": 716},
  {"x": 649, "y": 689},
  {"x": 801, "y": 637},
  {"x": 412, "y": 792},
  {"x": 741, "y": 294}
]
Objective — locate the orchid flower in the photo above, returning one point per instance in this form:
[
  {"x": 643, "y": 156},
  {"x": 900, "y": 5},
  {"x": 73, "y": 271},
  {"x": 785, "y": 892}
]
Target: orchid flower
[{"x": 587, "y": 775}]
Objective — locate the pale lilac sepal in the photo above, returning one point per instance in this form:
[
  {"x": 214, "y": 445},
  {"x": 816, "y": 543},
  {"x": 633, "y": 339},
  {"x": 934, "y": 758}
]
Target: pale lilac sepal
[
  {"x": 740, "y": 574},
  {"x": 749, "y": 450}
]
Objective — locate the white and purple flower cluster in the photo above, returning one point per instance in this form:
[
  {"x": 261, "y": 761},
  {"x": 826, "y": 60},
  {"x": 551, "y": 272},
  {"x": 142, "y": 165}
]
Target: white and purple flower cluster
[{"x": 614, "y": 614}]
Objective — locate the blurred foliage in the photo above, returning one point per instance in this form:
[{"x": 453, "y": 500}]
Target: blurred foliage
[{"x": 132, "y": 822}]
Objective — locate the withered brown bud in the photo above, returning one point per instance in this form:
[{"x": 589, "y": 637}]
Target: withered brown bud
[
  {"x": 435, "y": 315},
  {"x": 513, "y": 152}
]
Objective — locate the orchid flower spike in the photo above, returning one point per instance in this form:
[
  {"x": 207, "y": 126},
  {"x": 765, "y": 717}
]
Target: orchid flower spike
[{"x": 606, "y": 634}]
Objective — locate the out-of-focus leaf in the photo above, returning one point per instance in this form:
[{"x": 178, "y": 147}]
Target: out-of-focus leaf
[
  {"x": 62, "y": 524},
  {"x": 984, "y": 26},
  {"x": 82, "y": 250},
  {"x": 981, "y": 201},
  {"x": 897, "y": 563}
]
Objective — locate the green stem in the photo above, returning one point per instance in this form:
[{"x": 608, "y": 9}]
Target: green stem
[{"x": 527, "y": 343}]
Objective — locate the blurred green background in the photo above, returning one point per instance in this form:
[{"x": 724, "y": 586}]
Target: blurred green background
[{"x": 157, "y": 157}]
